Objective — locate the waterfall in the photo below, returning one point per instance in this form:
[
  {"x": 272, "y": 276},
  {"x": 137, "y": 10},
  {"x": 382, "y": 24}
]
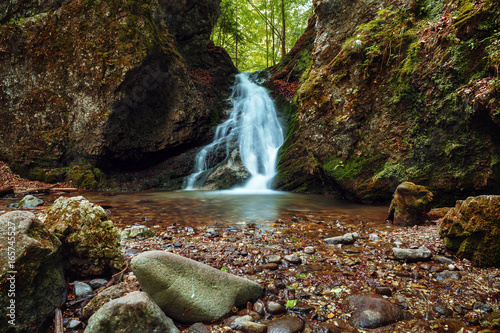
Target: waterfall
[{"x": 252, "y": 128}]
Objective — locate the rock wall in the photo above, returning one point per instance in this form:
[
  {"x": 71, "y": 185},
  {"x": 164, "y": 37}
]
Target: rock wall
[
  {"x": 109, "y": 84},
  {"x": 398, "y": 91}
]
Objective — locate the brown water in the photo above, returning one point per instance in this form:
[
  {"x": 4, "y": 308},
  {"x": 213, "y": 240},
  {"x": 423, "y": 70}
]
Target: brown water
[{"x": 222, "y": 208}]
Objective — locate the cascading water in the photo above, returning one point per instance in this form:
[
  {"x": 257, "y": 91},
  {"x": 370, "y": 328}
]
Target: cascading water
[{"x": 254, "y": 129}]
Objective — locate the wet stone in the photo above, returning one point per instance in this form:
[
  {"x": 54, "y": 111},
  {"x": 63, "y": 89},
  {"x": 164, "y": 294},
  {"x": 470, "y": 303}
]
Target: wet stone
[
  {"x": 448, "y": 275},
  {"x": 275, "y": 308},
  {"x": 74, "y": 324},
  {"x": 442, "y": 260},
  {"x": 178, "y": 244},
  {"x": 442, "y": 310},
  {"x": 371, "y": 311},
  {"x": 198, "y": 328},
  {"x": 348, "y": 238},
  {"x": 383, "y": 291},
  {"x": 286, "y": 324},
  {"x": 271, "y": 266},
  {"x": 251, "y": 327},
  {"x": 482, "y": 307}
]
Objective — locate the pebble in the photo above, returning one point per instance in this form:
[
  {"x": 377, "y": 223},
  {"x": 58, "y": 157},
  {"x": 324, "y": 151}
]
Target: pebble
[
  {"x": 442, "y": 310},
  {"x": 82, "y": 289},
  {"x": 286, "y": 324},
  {"x": 309, "y": 250},
  {"x": 198, "y": 328},
  {"x": 383, "y": 290},
  {"x": 97, "y": 283},
  {"x": 442, "y": 260},
  {"x": 420, "y": 254},
  {"x": 348, "y": 238},
  {"x": 274, "y": 258},
  {"x": 178, "y": 244},
  {"x": 482, "y": 307},
  {"x": 74, "y": 324},
  {"x": 275, "y": 308},
  {"x": 401, "y": 301},
  {"x": 259, "y": 307},
  {"x": 293, "y": 258},
  {"x": 272, "y": 266},
  {"x": 448, "y": 275},
  {"x": 251, "y": 327}
]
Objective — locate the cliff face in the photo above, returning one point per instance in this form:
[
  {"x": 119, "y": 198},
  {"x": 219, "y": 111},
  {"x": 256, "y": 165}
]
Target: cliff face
[
  {"x": 398, "y": 91},
  {"x": 109, "y": 84}
]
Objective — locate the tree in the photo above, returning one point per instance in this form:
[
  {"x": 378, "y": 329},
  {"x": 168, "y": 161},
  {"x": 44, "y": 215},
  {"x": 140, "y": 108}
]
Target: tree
[{"x": 253, "y": 30}]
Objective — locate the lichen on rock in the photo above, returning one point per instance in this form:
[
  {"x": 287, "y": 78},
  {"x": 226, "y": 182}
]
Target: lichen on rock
[{"x": 90, "y": 241}]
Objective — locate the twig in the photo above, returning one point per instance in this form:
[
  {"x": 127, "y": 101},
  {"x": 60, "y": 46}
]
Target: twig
[
  {"x": 121, "y": 272},
  {"x": 58, "y": 322}
]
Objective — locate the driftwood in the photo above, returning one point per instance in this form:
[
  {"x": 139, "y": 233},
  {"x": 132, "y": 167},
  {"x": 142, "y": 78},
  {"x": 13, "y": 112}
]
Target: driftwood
[
  {"x": 45, "y": 190},
  {"x": 6, "y": 190},
  {"x": 58, "y": 322}
]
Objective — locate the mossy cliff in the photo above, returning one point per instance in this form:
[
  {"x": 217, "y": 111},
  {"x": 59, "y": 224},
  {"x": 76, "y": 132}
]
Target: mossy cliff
[
  {"x": 398, "y": 91},
  {"x": 104, "y": 85}
]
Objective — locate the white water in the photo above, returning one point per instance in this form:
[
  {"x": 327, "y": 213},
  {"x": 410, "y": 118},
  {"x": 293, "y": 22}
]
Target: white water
[{"x": 254, "y": 128}]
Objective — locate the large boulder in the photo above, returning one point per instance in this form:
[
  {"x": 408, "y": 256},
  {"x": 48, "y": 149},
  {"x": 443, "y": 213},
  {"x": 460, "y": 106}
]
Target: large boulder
[
  {"x": 100, "y": 85},
  {"x": 472, "y": 228},
  {"x": 90, "y": 241},
  {"x": 32, "y": 282},
  {"x": 189, "y": 291},
  {"x": 133, "y": 313},
  {"x": 410, "y": 204}
]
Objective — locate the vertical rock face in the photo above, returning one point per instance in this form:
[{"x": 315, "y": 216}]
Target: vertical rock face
[
  {"x": 398, "y": 91},
  {"x": 102, "y": 83},
  {"x": 472, "y": 229}
]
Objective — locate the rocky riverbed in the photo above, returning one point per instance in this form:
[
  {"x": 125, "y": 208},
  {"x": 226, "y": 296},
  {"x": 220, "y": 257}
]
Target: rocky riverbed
[{"x": 304, "y": 277}]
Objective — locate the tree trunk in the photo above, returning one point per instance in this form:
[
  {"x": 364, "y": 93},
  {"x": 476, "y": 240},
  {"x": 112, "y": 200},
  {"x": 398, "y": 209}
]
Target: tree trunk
[{"x": 283, "y": 30}]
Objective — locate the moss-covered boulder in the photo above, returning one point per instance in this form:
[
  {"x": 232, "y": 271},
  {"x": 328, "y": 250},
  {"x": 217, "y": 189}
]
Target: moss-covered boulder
[
  {"x": 410, "y": 204},
  {"x": 32, "y": 282},
  {"x": 472, "y": 229},
  {"x": 398, "y": 91},
  {"x": 90, "y": 241}
]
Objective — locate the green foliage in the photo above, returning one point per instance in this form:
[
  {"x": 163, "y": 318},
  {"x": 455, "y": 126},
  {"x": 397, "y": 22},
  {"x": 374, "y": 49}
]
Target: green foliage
[
  {"x": 241, "y": 30},
  {"x": 291, "y": 303}
]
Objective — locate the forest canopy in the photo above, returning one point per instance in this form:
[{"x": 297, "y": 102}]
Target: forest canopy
[{"x": 257, "y": 33}]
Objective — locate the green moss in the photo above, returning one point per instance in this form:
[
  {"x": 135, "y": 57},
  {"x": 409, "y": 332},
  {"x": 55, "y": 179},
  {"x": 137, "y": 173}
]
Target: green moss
[{"x": 340, "y": 170}]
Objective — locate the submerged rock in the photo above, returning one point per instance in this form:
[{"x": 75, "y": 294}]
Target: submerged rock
[
  {"x": 286, "y": 324},
  {"x": 189, "y": 291},
  {"x": 31, "y": 271},
  {"x": 90, "y": 241},
  {"x": 371, "y": 311},
  {"x": 134, "y": 313},
  {"x": 410, "y": 205},
  {"x": 472, "y": 229}
]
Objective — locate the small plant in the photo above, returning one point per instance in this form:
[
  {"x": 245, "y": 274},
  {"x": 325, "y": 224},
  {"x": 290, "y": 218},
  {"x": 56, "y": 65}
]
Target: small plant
[{"x": 291, "y": 303}]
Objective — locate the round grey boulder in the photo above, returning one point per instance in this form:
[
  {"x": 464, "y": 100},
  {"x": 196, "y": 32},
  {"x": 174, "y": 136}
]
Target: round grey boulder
[{"x": 189, "y": 291}]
